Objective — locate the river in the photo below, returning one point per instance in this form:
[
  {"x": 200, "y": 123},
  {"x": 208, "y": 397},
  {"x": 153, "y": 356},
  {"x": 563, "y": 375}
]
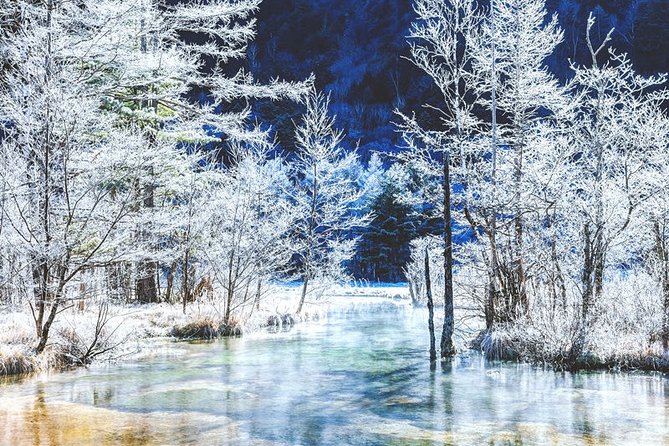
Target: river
[{"x": 358, "y": 378}]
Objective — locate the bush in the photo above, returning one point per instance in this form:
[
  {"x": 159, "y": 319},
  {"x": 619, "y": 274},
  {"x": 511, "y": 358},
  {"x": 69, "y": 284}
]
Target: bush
[
  {"x": 499, "y": 345},
  {"x": 206, "y": 328}
]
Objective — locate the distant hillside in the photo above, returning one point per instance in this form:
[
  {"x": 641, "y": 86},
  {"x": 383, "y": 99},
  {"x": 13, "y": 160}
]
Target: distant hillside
[{"x": 355, "y": 48}]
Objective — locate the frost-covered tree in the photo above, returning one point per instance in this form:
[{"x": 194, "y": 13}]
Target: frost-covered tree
[
  {"x": 618, "y": 132},
  {"x": 64, "y": 160},
  {"x": 656, "y": 253},
  {"x": 594, "y": 216},
  {"x": 509, "y": 60},
  {"x": 101, "y": 135},
  {"x": 157, "y": 91},
  {"x": 325, "y": 192},
  {"x": 440, "y": 46},
  {"x": 248, "y": 241}
]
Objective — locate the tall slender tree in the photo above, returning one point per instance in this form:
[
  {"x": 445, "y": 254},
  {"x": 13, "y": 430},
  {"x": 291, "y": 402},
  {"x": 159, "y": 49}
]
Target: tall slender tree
[
  {"x": 512, "y": 48},
  {"x": 326, "y": 193},
  {"x": 440, "y": 45}
]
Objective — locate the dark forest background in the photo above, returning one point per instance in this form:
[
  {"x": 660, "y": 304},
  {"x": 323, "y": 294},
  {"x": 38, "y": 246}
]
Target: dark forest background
[{"x": 356, "y": 47}]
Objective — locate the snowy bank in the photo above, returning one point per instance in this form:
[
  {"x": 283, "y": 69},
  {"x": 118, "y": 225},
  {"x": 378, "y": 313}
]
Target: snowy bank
[{"x": 116, "y": 332}]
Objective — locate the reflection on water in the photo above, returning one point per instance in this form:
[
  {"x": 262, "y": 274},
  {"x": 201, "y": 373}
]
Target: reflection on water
[{"x": 359, "y": 379}]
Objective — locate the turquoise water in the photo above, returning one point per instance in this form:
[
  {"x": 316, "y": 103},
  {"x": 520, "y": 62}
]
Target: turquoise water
[{"x": 359, "y": 378}]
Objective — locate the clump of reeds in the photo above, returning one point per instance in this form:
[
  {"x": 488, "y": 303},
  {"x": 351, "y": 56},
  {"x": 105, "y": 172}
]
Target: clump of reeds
[
  {"x": 498, "y": 345},
  {"x": 17, "y": 361},
  {"x": 202, "y": 328}
]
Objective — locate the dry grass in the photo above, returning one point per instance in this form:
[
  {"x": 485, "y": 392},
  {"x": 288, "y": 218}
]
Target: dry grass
[
  {"x": 201, "y": 329},
  {"x": 15, "y": 360},
  {"x": 498, "y": 345}
]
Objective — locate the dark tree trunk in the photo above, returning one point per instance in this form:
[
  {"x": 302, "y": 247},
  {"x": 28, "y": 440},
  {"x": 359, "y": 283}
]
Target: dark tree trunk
[
  {"x": 663, "y": 259},
  {"x": 304, "y": 294},
  {"x": 588, "y": 268},
  {"x": 491, "y": 298},
  {"x": 430, "y": 306},
  {"x": 588, "y": 284},
  {"x": 228, "y": 306},
  {"x": 599, "y": 260},
  {"x": 184, "y": 283},
  {"x": 258, "y": 293},
  {"x": 145, "y": 287},
  {"x": 490, "y": 306},
  {"x": 558, "y": 280},
  {"x": 53, "y": 311},
  {"x": 41, "y": 269},
  {"x": 519, "y": 302},
  {"x": 447, "y": 348},
  {"x": 40, "y": 275},
  {"x": 170, "y": 282}
]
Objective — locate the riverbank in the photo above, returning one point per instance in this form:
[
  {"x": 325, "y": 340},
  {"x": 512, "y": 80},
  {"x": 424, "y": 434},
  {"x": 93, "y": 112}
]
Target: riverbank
[
  {"x": 85, "y": 334},
  {"x": 514, "y": 342},
  {"x": 126, "y": 332}
]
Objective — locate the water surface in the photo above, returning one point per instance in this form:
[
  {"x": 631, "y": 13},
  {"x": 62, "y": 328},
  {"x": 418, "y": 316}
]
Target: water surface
[{"x": 357, "y": 378}]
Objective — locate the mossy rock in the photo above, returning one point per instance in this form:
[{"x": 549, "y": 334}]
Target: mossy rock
[
  {"x": 281, "y": 320},
  {"x": 229, "y": 330},
  {"x": 589, "y": 361}
]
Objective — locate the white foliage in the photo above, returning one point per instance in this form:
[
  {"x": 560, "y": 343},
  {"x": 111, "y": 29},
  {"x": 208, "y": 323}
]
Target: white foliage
[{"x": 324, "y": 191}]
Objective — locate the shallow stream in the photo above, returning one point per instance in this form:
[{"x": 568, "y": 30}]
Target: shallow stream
[{"x": 358, "y": 378}]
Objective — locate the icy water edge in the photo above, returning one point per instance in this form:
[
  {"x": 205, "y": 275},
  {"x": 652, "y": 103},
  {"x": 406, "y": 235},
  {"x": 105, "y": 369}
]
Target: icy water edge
[{"x": 358, "y": 378}]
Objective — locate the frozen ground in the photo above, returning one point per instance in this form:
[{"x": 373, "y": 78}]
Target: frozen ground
[{"x": 128, "y": 328}]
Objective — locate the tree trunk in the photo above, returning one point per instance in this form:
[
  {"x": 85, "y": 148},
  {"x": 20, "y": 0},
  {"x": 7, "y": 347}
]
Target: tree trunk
[
  {"x": 599, "y": 261},
  {"x": 490, "y": 306},
  {"x": 184, "y": 283},
  {"x": 447, "y": 348},
  {"x": 55, "y": 305},
  {"x": 587, "y": 283},
  {"x": 304, "y": 295},
  {"x": 665, "y": 316},
  {"x": 41, "y": 270},
  {"x": 40, "y": 274},
  {"x": 559, "y": 278},
  {"x": 170, "y": 282},
  {"x": 430, "y": 306},
  {"x": 588, "y": 272},
  {"x": 228, "y": 305},
  {"x": 491, "y": 298},
  {"x": 663, "y": 259},
  {"x": 520, "y": 302},
  {"x": 258, "y": 292},
  {"x": 145, "y": 287},
  {"x": 44, "y": 333}
]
